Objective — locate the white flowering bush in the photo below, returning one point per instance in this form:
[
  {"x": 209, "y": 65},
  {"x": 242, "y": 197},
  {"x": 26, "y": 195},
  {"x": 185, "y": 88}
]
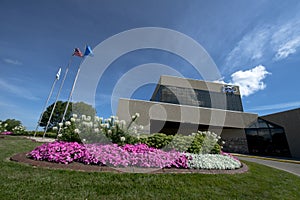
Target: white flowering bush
[
  {"x": 212, "y": 161},
  {"x": 12, "y": 126},
  {"x": 99, "y": 130},
  {"x": 18, "y": 130}
]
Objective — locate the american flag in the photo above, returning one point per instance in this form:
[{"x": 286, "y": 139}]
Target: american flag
[{"x": 77, "y": 52}]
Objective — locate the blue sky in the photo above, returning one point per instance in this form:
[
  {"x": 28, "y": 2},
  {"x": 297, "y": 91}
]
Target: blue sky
[{"x": 254, "y": 44}]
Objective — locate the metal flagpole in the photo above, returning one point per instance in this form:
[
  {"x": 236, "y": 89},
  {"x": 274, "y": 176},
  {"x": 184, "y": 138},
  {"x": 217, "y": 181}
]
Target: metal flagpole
[
  {"x": 88, "y": 51},
  {"x": 41, "y": 116},
  {"x": 70, "y": 95},
  {"x": 57, "y": 96}
]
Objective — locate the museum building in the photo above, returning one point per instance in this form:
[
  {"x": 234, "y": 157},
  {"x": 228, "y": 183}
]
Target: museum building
[{"x": 184, "y": 106}]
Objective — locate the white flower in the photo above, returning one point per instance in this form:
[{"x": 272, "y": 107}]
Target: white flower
[
  {"x": 88, "y": 118},
  {"x": 123, "y": 122},
  {"x": 83, "y": 140},
  {"x": 141, "y": 127},
  {"x": 55, "y": 128},
  {"x": 76, "y": 130},
  {"x": 59, "y": 135},
  {"x": 122, "y": 139},
  {"x": 67, "y": 123},
  {"x": 137, "y": 114},
  {"x": 223, "y": 142},
  {"x": 74, "y": 116},
  {"x": 60, "y": 124},
  {"x": 83, "y": 117},
  {"x": 96, "y": 130},
  {"x": 73, "y": 119},
  {"x": 5, "y": 125},
  {"x": 109, "y": 132}
]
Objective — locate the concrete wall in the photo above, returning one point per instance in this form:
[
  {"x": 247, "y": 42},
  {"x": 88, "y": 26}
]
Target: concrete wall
[
  {"x": 290, "y": 121},
  {"x": 181, "y": 113}
]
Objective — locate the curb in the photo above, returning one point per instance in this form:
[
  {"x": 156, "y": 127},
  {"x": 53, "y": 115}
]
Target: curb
[{"x": 266, "y": 158}]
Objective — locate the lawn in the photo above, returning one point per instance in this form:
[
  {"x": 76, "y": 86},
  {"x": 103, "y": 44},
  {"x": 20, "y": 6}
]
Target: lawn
[{"x": 19, "y": 181}]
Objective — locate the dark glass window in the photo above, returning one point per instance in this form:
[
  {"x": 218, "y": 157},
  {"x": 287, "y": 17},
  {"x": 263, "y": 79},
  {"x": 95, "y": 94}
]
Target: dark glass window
[
  {"x": 265, "y": 138},
  {"x": 200, "y": 98}
]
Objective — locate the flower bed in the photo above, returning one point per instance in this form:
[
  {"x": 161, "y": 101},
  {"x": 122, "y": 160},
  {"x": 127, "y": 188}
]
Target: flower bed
[
  {"x": 139, "y": 155},
  {"x": 6, "y": 133}
]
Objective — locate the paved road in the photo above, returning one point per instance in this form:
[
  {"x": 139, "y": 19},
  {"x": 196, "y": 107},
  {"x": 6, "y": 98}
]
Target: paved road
[{"x": 289, "y": 167}]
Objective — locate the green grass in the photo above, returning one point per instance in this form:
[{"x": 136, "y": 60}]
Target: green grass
[{"x": 19, "y": 181}]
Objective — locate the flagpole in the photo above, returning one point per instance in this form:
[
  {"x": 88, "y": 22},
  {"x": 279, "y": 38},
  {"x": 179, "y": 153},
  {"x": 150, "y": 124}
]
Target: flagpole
[
  {"x": 41, "y": 116},
  {"x": 57, "y": 96},
  {"x": 70, "y": 95},
  {"x": 88, "y": 51}
]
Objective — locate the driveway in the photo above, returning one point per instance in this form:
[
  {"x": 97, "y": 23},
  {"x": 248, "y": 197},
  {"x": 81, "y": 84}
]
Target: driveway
[{"x": 293, "y": 168}]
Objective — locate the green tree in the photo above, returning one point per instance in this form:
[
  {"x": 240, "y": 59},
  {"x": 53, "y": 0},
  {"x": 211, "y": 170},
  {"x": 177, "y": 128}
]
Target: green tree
[
  {"x": 79, "y": 108},
  {"x": 11, "y": 123}
]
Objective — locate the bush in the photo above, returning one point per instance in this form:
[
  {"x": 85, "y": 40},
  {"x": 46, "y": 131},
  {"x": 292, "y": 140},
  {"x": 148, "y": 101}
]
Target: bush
[
  {"x": 12, "y": 125},
  {"x": 197, "y": 143},
  {"x": 158, "y": 140},
  {"x": 96, "y": 130}
]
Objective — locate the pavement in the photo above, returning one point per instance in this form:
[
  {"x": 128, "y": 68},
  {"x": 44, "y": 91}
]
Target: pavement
[
  {"x": 41, "y": 139},
  {"x": 288, "y": 165}
]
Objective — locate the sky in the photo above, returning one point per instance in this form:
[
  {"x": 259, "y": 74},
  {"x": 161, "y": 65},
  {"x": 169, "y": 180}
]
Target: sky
[{"x": 254, "y": 44}]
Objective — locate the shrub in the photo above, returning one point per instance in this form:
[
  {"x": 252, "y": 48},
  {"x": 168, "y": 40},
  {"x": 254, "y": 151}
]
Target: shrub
[
  {"x": 158, "y": 140},
  {"x": 197, "y": 143},
  {"x": 97, "y": 130}
]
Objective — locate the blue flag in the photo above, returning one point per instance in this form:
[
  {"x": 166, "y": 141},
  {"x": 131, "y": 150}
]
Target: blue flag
[{"x": 88, "y": 51}]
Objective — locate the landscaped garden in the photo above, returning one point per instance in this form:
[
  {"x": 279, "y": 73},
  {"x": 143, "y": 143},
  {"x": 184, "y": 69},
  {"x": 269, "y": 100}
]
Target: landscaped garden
[
  {"x": 114, "y": 144},
  {"x": 110, "y": 142},
  {"x": 20, "y": 181}
]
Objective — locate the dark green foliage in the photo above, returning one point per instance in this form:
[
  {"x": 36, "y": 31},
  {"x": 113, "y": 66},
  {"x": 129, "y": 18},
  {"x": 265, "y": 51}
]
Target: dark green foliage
[
  {"x": 79, "y": 108},
  {"x": 201, "y": 142},
  {"x": 57, "y": 114},
  {"x": 158, "y": 140},
  {"x": 68, "y": 134},
  {"x": 11, "y": 123}
]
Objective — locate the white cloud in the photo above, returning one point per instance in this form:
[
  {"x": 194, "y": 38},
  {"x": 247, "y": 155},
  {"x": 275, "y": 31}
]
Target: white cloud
[
  {"x": 249, "y": 81},
  {"x": 250, "y": 47},
  {"x": 266, "y": 42},
  {"x": 13, "y": 62},
  {"x": 276, "y": 106},
  {"x": 16, "y": 90},
  {"x": 287, "y": 48}
]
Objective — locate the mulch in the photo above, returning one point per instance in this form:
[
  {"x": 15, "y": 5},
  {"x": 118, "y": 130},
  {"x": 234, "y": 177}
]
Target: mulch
[{"x": 21, "y": 157}]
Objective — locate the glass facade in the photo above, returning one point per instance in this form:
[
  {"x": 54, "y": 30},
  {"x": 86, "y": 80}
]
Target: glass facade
[
  {"x": 199, "y": 98},
  {"x": 265, "y": 138}
]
